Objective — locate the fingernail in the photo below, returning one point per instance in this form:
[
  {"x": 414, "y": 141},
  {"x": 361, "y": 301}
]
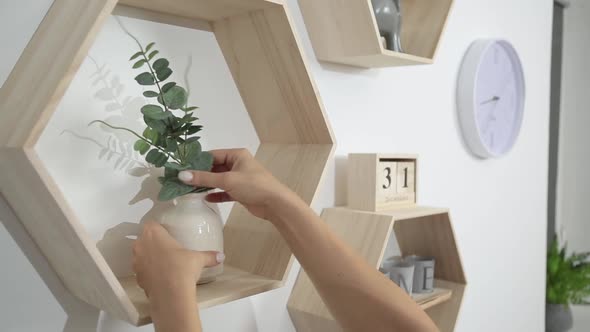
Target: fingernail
[
  {"x": 220, "y": 257},
  {"x": 185, "y": 176}
]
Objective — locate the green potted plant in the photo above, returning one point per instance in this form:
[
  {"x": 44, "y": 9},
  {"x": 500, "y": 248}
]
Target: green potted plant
[
  {"x": 170, "y": 141},
  {"x": 568, "y": 282}
]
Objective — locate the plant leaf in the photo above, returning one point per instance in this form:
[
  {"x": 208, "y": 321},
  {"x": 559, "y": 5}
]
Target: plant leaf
[
  {"x": 152, "y": 55},
  {"x": 175, "y": 97},
  {"x": 141, "y": 146},
  {"x": 135, "y": 56},
  {"x": 193, "y": 139},
  {"x": 176, "y": 166},
  {"x": 139, "y": 64},
  {"x": 150, "y": 94},
  {"x": 156, "y": 158},
  {"x": 167, "y": 86},
  {"x": 155, "y": 112},
  {"x": 145, "y": 79},
  {"x": 194, "y": 129},
  {"x": 204, "y": 162},
  {"x": 158, "y": 125},
  {"x": 163, "y": 74},
  {"x": 149, "y": 46},
  {"x": 189, "y": 109},
  {"x": 172, "y": 188},
  {"x": 161, "y": 64},
  {"x": 171, "y": 145},
  {"x": 190, "y": 151}
]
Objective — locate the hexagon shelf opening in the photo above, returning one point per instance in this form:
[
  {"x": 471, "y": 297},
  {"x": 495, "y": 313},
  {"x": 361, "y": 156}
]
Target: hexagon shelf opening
[
  {"x": 262, "y": 51},
  {"x": 422, "y": 231}
]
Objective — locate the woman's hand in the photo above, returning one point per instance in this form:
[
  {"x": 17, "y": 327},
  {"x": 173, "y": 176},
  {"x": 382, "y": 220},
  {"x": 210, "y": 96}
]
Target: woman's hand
[
  {"x": 168, "y": 274},
  {"x": 160, "y": 262},
  {"x": 242, "y": 179}
]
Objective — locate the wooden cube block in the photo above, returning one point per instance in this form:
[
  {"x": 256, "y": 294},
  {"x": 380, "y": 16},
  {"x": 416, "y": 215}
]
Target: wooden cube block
[{"x": 379, "y": 182}]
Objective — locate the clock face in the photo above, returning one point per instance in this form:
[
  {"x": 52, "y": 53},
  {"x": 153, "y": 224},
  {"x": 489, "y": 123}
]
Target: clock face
[{"x": 491, "y": 97}]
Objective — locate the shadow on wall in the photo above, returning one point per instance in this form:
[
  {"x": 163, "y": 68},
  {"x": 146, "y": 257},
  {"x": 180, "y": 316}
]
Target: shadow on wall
[{"x": 116, "y": 244}]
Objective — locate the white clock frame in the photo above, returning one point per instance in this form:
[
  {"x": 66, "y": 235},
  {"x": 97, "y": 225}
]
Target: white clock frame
[{"x": 467, "y": 102}]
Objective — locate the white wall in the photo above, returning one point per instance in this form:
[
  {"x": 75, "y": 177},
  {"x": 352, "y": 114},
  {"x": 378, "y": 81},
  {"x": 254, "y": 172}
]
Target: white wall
[
  {"x": 573, "y": 183},
  {"x": 498, "y": 206}
]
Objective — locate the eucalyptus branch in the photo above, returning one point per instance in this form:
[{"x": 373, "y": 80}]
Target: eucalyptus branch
[
  {"x": 150, "y": 67},
  {"x": 137, "y": 135}
]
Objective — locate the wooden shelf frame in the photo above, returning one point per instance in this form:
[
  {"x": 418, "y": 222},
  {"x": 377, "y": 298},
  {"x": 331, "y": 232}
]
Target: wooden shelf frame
[
  {"x": 419, "y": 230},
  {"x": 269, "y": 68},
  {"x": 349, "y": 34}
]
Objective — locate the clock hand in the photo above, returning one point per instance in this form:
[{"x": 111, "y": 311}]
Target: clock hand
[{"x": 491, "y": 100}]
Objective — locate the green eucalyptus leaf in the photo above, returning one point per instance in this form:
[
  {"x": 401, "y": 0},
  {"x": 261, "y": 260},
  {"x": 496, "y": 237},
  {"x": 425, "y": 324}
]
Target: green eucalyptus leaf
[
  {"x": 188, "y": 118},
  {"x": 151, "y": 135},
  {"x": 135, "y": 56},
  {"x": 145, "y": 79},
  {"x": 189, "y": 109},
  {"x": 141, "y": 146},
  {"x": 156, "y": 158},
  {"x": 171, "y": 145},
  {"x": 193, "y": 139},
  {"x": 152, "y": 55},
  {"x": 149, "y": 46},
  {"x": 155, "y": 112},
  {"x": 176, "y": 166},
  {"x": 175, "y": 97},
  {"x": 163, "y": 74},
  {"x": 160, "y": 64},
  {"x": 190, "y": 150},
  {"x": 172, "y": 188},
  {"x": 170, "y": 173},
  {"x": 150, "y": 94},
  {"x": 158, "y": 125},
  {"x": 204, "y": 162},
  {"x": 167, "y": 86},
  {"x": 194, "y": 129},
  {"x": 139, "y": 64}
]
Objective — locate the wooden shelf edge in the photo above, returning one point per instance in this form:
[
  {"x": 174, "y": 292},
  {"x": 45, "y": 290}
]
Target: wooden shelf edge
[
  {"x": 429, "y": 300},
  {"x": 402, "y": 213},
  {"x": 233, "y": 284}
]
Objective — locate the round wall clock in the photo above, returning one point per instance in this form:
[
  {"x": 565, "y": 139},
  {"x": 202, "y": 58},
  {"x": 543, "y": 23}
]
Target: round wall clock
[{"x": 490, "y": 97}]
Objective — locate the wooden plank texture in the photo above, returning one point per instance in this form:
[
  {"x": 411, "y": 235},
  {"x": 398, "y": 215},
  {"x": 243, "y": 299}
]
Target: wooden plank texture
[
  {"x": 209, "y": 10},
  {"x": 445, "y": 314},
  {"x": 423, "y": 24},
  {"x": 341, "y": 28},
  {"x": 346, "y": 32},
  {"x": 255, "y": 245},
  {"x": 232, "y": 285},
  {"x": 164, "y": 18},
  {"x": 263, "y": 54},
  {"x": 46, "y": 67},
  {"x": 40, "y": 206}
]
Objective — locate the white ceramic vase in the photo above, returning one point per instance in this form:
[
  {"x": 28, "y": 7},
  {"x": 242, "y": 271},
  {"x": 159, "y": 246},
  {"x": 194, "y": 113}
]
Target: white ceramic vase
[{"x": 196, "y": 226}]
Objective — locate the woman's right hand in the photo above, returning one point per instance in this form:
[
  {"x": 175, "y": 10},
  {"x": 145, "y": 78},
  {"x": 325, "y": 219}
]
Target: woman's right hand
[{"x": 243, "y": 179}]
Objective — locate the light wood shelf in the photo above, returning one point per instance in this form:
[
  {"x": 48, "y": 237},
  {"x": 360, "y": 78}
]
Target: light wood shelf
[
  {"x": 419, "y": 230},
  {"x": 264, "y": 56},
  {"x": 347, "y": 32},
  {"x": 233, "y": 284}
]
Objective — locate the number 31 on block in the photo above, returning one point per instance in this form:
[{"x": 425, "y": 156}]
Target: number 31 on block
[{"x": 379, "y": 181}]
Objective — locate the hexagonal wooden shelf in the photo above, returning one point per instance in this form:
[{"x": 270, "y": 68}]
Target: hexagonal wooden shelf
[
  {"x": 266, "y": 62},
  {"x": 419, "y": 230},
  {"x": 346, "y": 32}
]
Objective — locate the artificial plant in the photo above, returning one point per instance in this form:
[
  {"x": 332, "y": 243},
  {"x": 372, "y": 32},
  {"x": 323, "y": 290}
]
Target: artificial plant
[
  {"x": 169, "y": 139},
  {"x": 568, "y": 277}
]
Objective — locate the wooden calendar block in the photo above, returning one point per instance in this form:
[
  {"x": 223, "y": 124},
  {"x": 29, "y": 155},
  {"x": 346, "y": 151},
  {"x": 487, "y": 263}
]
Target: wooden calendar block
[{"x": 379, "y": 182}]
